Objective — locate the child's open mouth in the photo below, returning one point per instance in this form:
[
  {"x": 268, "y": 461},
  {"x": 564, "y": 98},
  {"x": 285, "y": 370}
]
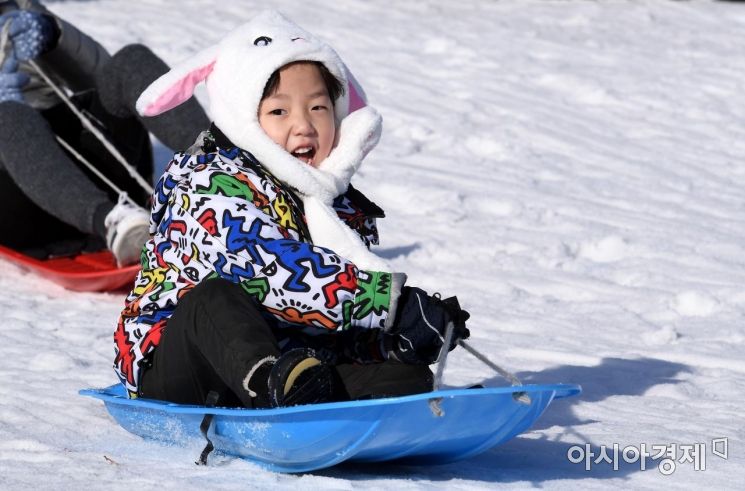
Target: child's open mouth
[{"x": 305, "y": 154}]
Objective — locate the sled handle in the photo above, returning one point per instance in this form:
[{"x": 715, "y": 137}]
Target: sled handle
[{"x": 204, "y": 427}]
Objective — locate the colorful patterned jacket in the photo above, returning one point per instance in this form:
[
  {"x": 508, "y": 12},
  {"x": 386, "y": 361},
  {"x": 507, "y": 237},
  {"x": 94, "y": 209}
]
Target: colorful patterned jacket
[{"x": 217, "y": 212}]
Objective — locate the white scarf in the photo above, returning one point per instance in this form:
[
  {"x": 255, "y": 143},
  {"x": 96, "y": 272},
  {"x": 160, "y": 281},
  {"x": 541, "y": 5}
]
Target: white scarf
[{"x": 318, "y": 187}]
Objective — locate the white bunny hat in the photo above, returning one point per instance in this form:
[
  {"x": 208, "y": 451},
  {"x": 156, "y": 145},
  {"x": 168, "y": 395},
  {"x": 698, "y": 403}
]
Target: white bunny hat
[{"x": 235, "y": 72}]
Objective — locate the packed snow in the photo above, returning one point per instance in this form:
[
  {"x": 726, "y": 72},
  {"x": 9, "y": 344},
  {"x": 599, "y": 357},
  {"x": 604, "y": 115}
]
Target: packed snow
[{"x": 574, "y": 171}]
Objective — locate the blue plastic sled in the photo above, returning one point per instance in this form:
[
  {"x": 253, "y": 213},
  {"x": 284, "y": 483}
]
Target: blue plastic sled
[{"x": 305, "y": 438}]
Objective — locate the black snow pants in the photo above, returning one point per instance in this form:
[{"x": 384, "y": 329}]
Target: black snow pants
[{"x": 216, "y": 335}]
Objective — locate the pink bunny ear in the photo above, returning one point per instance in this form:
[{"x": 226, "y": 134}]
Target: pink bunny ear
[
  {"x": 177, "y": 93},
  {"x": 357, "y": 99},
  {"x": 176, "y": 86}
]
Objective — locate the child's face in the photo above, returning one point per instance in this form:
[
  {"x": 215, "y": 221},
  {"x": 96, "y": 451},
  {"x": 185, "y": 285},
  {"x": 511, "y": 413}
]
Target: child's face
[{"x": 299, "y": 115}]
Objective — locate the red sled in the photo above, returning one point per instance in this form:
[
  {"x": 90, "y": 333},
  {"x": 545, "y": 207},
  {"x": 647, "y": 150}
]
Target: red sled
[{"x": 85, "y": 272}]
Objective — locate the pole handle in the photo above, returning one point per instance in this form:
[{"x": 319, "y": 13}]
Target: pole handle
[{"x": 521, "y": 397}]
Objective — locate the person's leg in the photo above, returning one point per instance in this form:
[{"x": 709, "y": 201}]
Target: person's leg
[
  {"x": 129, "y": 72},
  {"x": 388, "y": 379},
  {"x": 214, "y": 339},
  {"x": 45, "y": 174},
  {"x": 127, "y": 134},
  {"x": 34, "y": 161},
  {"x": 29, "y": 229}
]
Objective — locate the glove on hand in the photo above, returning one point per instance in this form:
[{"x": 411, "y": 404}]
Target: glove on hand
[
  {"x": 31, "y": 33},
  {"x": 11, "y": 81},
  {"x": 421, "y": 325}
]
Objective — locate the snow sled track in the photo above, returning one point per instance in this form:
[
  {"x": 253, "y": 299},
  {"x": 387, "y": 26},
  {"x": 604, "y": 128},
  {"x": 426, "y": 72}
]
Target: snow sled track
[{"x": 305, "y": 438}]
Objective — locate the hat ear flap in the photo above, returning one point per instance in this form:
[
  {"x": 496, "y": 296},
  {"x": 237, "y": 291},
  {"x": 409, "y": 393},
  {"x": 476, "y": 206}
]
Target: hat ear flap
[{"x": 177, "y": 85}]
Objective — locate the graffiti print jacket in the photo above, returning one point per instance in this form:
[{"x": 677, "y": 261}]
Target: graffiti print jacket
[{"x": 217, "y": 212}]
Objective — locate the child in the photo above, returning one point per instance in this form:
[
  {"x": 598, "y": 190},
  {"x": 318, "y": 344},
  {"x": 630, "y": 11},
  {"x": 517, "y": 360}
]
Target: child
[
  {"x": 257, "y": 283},
  {"x": 49, "y": 203}
]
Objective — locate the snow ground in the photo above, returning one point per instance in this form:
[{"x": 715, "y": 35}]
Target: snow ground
[{"x": 572, "y": 170}]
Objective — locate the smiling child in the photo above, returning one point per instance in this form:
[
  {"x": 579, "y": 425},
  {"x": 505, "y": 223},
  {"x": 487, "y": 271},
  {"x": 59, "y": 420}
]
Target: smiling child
[{"x": 257, "y": 282}]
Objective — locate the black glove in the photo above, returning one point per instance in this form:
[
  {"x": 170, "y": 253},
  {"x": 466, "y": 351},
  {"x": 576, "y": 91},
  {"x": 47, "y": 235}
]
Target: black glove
[{"x": 420, "y": 326}]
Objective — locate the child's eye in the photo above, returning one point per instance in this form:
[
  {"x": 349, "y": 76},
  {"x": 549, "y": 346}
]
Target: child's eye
[
  {"x": 319, "y": 108},
  {"x": 277, "y": 112}
]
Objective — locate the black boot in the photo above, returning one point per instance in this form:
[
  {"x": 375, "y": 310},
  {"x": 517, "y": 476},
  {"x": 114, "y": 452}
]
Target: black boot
[{"x": 295, "y": 378}]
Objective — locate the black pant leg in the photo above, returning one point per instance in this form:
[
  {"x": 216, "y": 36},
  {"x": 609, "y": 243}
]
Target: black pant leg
[
  {"x": 29, "y": 229},
  {"x": 214, "y": 338},
  {"x": 217, "y": 334},
  {"x": 42, "y": 172},
  {"x": 126, "y": 133},
  {"x": 388, "y": 379}
]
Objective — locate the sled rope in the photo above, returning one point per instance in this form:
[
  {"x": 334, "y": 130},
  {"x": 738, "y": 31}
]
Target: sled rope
[
  {"x": 96, "y": 132},
  {"x": 518, "y": 396},
  {"x": 212, "y": 398},
  {"x": 122, "y": 194}
]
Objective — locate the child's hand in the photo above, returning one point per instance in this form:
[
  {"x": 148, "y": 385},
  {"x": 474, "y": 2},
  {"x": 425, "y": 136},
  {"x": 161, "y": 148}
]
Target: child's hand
[
  {"x": 31, "y": 33},
  {"x": 420, "y": 326},
  {"x": 11, "y": 80}
]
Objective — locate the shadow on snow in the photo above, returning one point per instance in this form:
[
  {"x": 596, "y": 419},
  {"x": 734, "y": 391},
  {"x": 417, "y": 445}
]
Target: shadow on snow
[{"x": 536, "y": 459}]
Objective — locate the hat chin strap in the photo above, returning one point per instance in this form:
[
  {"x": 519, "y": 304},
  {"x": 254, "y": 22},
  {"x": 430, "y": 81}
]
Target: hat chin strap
[{"x": 318, "y": 187}]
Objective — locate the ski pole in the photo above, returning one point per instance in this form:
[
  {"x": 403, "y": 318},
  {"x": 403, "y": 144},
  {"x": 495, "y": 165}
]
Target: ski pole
[
  {"x": 434, "y": 403},
  {"x": 504, "y": 373},
  {"x": 442, "y": 359},
  {"x": 518, "y": 396}
]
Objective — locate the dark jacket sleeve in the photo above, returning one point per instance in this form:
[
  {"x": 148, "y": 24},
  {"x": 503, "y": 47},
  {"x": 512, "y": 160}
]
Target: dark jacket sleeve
[{"x": 77, "y": 57}]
